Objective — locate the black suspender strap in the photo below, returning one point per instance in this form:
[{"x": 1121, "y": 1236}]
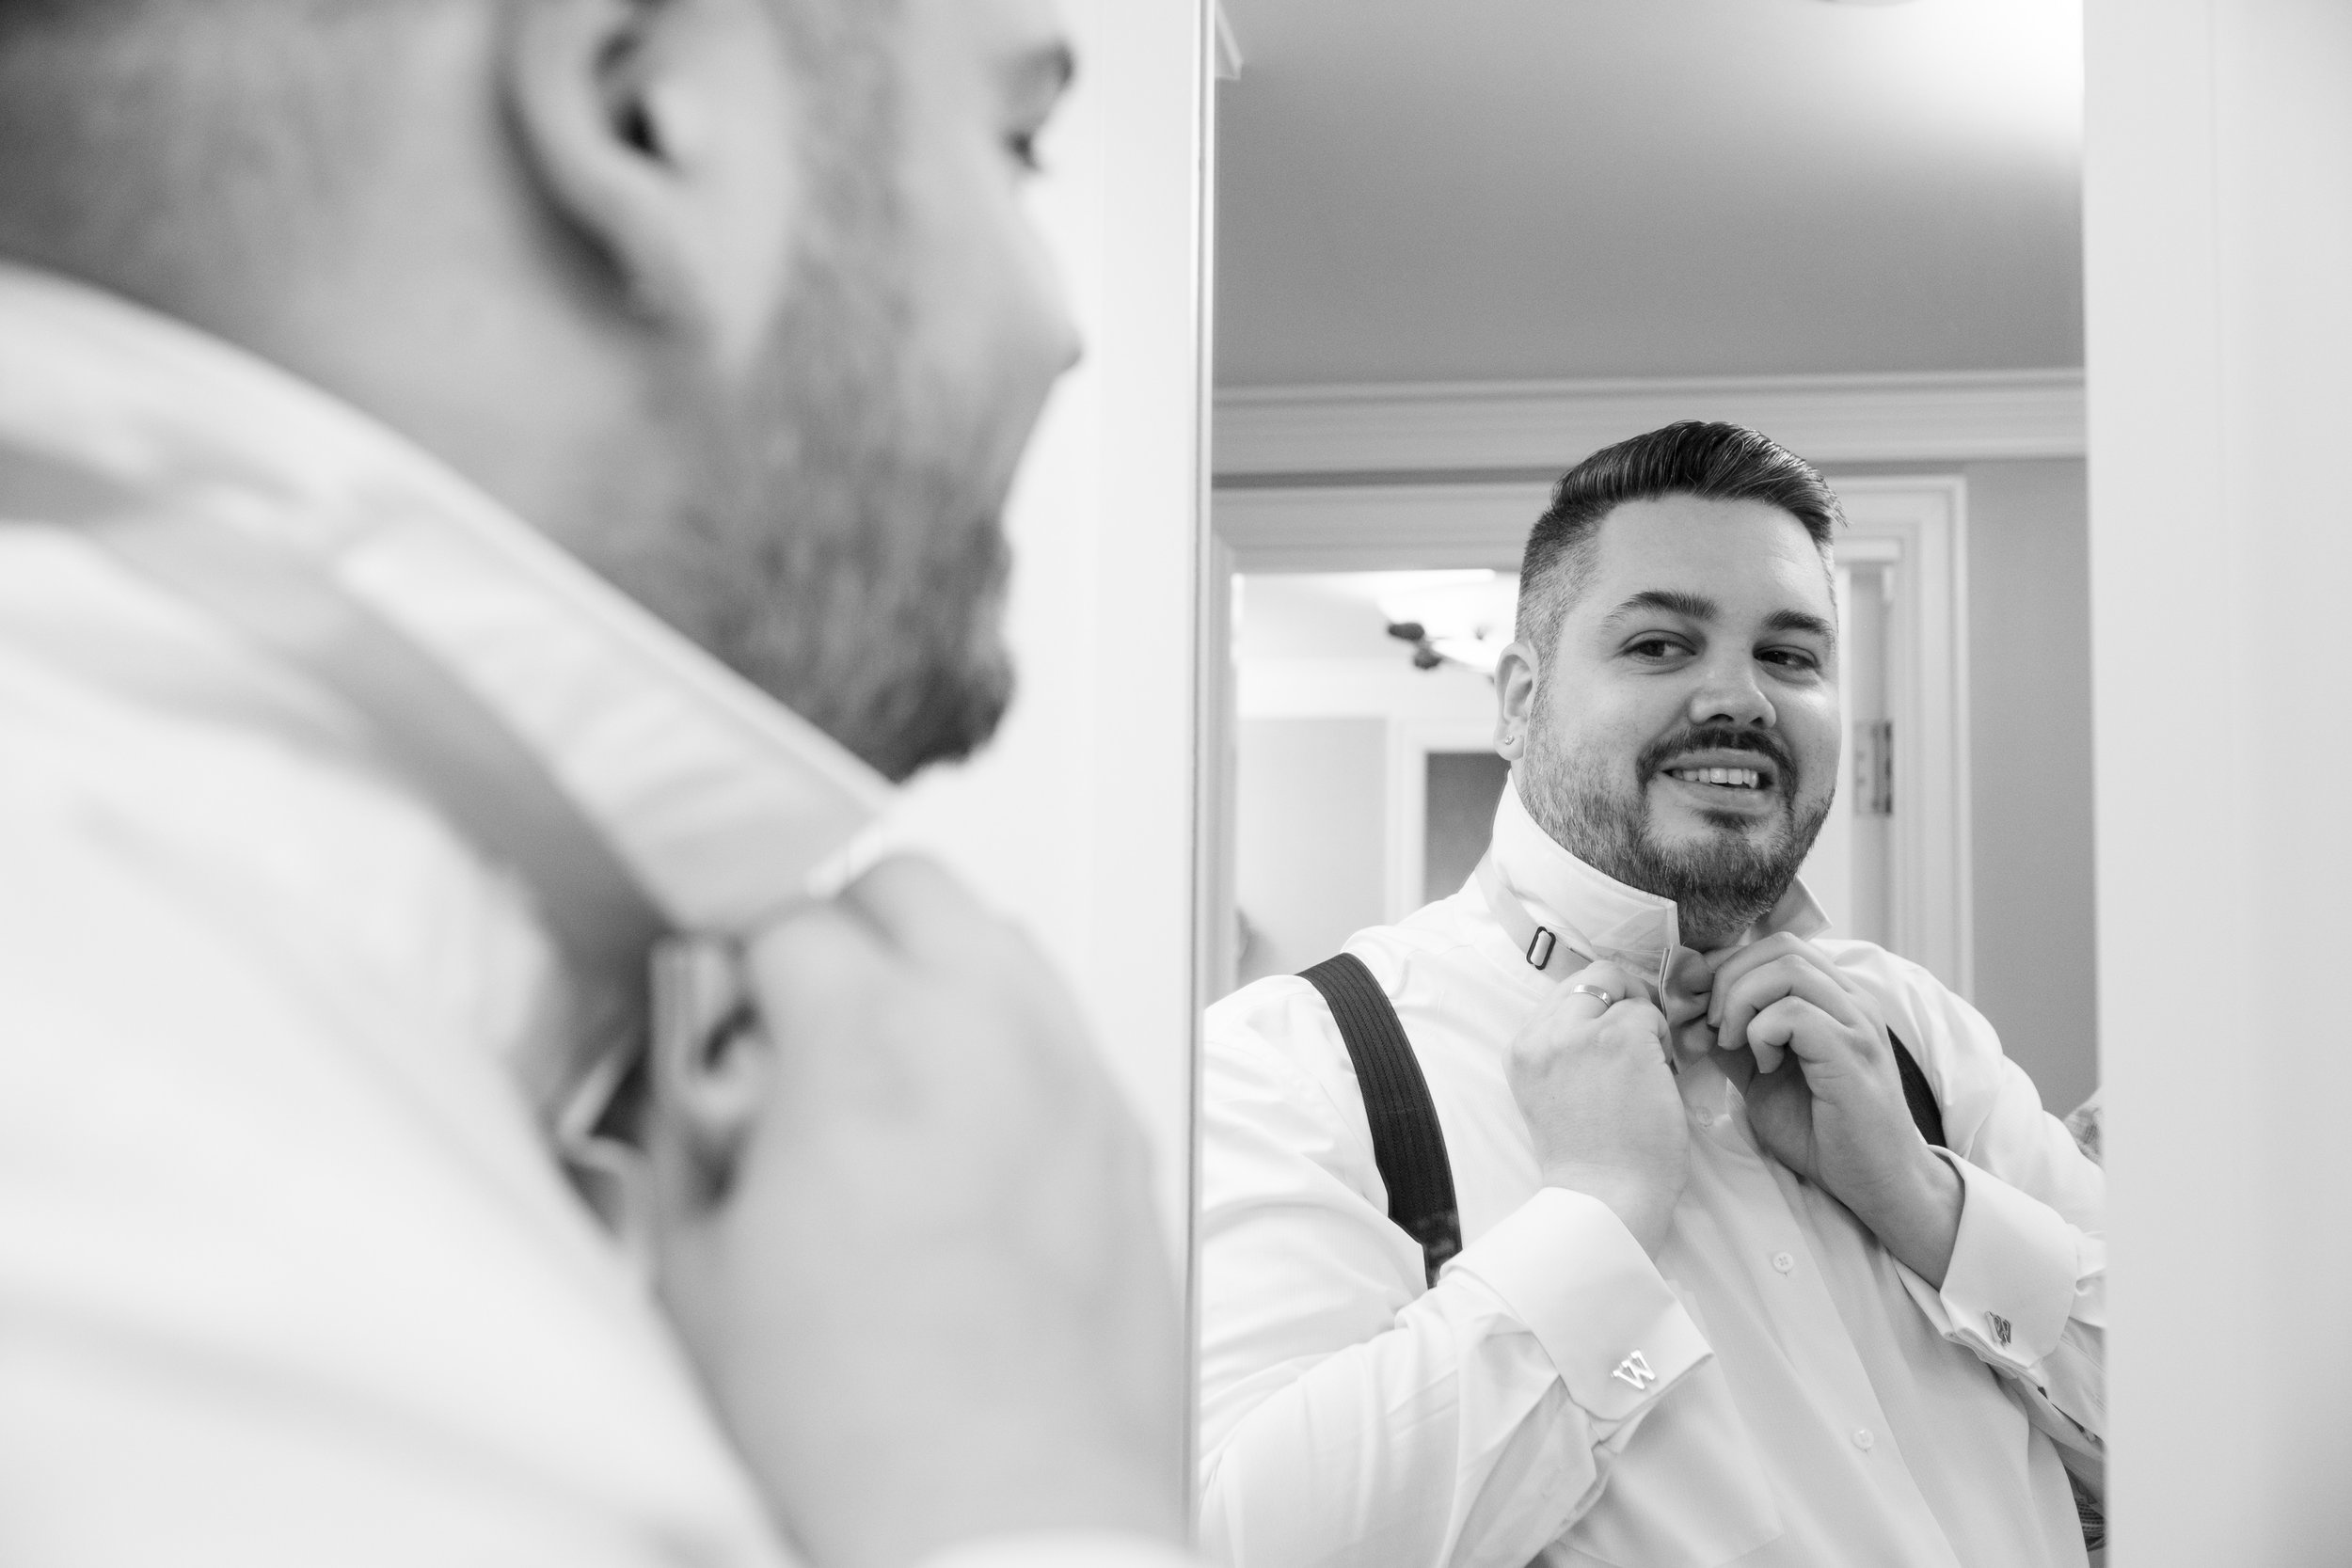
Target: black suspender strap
[
  {"x": 1925, "y": 1114},
  {"x": 1407, "y": 1142}
]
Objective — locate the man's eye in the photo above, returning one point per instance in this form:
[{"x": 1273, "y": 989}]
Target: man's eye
[
  {"x": 1655, "y": 648},
  {"x": 1791, "y": 659}
]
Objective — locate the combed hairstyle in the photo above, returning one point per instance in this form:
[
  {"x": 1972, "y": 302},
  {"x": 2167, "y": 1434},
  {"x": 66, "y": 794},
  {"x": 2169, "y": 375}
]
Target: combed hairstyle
[{"x": 1710, "y": 461}]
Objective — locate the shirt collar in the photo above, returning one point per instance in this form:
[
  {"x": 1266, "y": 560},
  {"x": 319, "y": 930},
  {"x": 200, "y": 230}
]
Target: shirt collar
[
  {"x": 1594, "y": 915},
  {"x": 721, "y": 801}
]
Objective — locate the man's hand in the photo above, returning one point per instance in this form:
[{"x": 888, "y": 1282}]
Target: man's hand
[
  {"x": 1811, "y": 1053},
  {"x": 910, "y": 1240},
  {"x": 1601, "y": 1101}
]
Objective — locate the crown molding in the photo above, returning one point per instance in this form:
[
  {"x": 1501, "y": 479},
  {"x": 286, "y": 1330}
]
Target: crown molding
[
  {"x": 1475, "y": 523},
  {"x": 1319, "y": 434},
  {"x": 1378, "y": 528}
]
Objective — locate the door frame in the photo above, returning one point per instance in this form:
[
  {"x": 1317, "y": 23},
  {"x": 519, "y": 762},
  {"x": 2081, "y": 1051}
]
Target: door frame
[{"x": 1410, "y": 742}]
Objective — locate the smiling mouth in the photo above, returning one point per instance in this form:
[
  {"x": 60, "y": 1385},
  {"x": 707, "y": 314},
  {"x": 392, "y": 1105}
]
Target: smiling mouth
[{"x": 1721, "y": 778}]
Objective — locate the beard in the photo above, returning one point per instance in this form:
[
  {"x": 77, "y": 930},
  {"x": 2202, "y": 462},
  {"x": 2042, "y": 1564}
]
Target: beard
[
  {"x": 1721, "y": 884},
  {"x": 841, "y": 544},
  {"x": 831, "y": 559},
  {"x": 849, "y": 569}
]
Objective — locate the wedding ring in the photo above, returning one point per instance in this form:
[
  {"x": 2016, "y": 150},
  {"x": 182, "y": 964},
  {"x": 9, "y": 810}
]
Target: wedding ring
[{"x": 1606, "y": 1000}]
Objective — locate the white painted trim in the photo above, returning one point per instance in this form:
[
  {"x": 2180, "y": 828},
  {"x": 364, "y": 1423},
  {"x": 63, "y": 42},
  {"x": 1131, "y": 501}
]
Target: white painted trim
[
  {"x": 1218, "y": 724},
  {"x": 1214, "y": 708},
  {"x": 1545, "y": 426},
  {"x": 1923, "y": 524},
  {"x": 1372, "y": 528},
  {"x": 1410, "y": 741},
  {"x": 1228, "y": 59}
]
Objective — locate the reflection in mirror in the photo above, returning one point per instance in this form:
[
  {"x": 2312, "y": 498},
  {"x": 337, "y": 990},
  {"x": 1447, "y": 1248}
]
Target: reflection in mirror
[{"x": 1458, "y": 256}]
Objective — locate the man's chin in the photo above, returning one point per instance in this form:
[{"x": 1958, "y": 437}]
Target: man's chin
[
  {"x": 1700, "y": 833},
  {"x": 1736, "y": 848},
  {"x": 942, "y": 714}
]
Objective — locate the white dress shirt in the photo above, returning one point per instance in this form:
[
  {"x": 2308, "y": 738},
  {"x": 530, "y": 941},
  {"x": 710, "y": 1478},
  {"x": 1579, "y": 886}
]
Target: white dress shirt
[
  {"x": 289, "y": 1275},
  {"x": 1812, "y": 1402}
]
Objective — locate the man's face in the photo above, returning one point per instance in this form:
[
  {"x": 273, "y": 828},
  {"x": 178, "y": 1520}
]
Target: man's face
[
  {"x": 844, "y": 548},
  {"x": 1682, "y": 736}
]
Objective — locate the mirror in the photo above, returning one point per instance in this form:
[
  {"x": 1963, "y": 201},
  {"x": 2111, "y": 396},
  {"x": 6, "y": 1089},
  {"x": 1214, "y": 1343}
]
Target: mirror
[
  {"x": 1457, "y": 255},
  {"x": 1460, "y": 250}
]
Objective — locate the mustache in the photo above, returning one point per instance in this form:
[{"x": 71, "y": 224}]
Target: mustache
[{"x": 1719, "y": 737}]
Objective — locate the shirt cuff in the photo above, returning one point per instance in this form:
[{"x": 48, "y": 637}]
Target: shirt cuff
[
  {"x": 1062, "y": 1549},
  {"x": 1567, "y": 1268},
  {"x": 2010, "y": 1289}
]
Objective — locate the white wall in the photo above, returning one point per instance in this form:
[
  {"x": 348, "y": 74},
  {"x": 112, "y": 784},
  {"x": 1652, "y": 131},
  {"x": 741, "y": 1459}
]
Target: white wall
[
  {"x": 2030, "y": 798},
  {"x": 1311, "y": 831},
  {"x": 2219, "y": 211},
  {"x": 1078, "y": 820}
]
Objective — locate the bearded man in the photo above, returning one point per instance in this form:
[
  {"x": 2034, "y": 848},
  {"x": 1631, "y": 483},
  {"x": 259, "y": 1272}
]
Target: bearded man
[
  {"x": 340, "y": 806},
  {"x": 1733, "y": 1291}
]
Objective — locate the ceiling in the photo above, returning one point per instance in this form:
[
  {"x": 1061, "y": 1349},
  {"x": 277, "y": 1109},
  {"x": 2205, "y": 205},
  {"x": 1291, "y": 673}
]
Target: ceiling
[{"x": 1535, "y": 189}]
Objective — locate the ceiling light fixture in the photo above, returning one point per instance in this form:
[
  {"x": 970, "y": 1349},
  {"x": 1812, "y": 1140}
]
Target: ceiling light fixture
[{"x": 1460, "y": 617}]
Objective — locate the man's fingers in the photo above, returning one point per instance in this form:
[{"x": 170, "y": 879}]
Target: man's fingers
[
  {"x": 1690, "y": 986},
  {"x": 1634, "y": 1020},
  {"x": 1734, "y": 965},
  {"x": 1619, "y": 984},
  {"x": 816, "y": 951},
  {"x": 1761, "y": 987},
  {"x": 1639, "y": 1026},
  {"x": 1775, "y": 1033}
]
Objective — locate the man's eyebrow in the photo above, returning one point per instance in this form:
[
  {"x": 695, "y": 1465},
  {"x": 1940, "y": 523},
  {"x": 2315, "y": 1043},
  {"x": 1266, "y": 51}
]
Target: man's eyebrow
[
  {"x": 1690, "y": 607},
  {"x": 1800, "y": 619}
]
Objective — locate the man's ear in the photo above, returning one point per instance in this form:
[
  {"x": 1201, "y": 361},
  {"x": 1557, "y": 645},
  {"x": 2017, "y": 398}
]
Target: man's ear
[
  {"x": 1515, "y": 700},
  {"x": 664, "y": 135}
]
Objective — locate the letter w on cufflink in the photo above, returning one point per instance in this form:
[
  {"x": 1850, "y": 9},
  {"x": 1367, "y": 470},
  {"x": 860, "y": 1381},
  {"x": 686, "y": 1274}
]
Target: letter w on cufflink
[{"x": 1635, "y": 1370}]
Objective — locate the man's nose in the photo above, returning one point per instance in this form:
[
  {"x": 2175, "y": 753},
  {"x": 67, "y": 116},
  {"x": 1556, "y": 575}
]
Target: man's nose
[{"x": 1730, "y": 694}]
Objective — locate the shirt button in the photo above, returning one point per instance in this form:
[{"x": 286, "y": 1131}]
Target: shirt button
[
  {"x": 1862, "y": 1438},
  {"x": 1704, "y": 1116},
  {"x": 1784, "y": 1262}
]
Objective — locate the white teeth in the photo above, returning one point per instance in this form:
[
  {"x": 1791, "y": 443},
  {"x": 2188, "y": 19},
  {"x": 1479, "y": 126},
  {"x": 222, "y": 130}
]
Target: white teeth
[{"x": 1735, "y": 778}]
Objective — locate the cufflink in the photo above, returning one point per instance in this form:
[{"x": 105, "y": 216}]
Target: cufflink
[
  {"x": 2000, "y": 1329},
  {"x": 1634, "y": 1369}
]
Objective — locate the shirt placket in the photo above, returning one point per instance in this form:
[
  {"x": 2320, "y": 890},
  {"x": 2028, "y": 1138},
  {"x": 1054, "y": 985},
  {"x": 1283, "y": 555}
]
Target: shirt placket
[{"x": 1805, "y": 1313}]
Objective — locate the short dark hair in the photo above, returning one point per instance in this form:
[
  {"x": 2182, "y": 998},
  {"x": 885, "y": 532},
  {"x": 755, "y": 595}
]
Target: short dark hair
[{"x": 1693, "y": 458}]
